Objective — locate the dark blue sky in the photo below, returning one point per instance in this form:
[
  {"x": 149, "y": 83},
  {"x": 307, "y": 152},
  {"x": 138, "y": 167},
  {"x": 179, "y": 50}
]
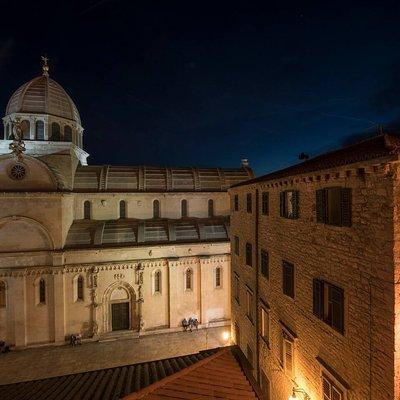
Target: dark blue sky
[{"x": 197, "y": 83}]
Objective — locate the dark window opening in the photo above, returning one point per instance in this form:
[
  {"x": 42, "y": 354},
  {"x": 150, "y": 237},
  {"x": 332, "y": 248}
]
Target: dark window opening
[
  {"x": 289, "y": 204},
  {"x": 288, "y": 279},
  {"x": 249, "y": 254},
  {"x": 264, "y": 259},
  {"x": 333, "y": 206}
]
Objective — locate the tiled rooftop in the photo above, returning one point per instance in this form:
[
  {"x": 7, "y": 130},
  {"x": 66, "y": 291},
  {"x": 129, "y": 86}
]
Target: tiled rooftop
[
  {"x": 110, "y": 178},
  {"x": 218, "y": 376},
  {"x": 209, "y": 374},
  {"x": 375, "y": 147},
  {"x": 130, "y": 232},
  {"x": 104, "y": 384}
]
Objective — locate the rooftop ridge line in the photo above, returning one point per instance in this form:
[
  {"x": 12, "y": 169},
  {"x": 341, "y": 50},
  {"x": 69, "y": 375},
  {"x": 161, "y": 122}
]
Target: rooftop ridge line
[{"x": 156, "y": 385}]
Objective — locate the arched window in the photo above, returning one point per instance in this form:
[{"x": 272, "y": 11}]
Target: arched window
[
  {"x": 42, "y": 291},
  {"x": 79, "y": 288},
  {"x": 156, "y": 209},
  {"x": 3, "y": 294},
  {"x": 67, "y": 134},
  {"x": 218, "y": 273},
  {"x": 55, "y": 132},
  {"x": 26, "y": 129},
  {"x": 122, "y": 209},
  {"x": 189, "y": 279},
  {"x": 39, "y": 130},
  {"x": 87, "y": 209},
  {"x": 10, "y": 134},
  {"x": 157, "y": 282},
  {"x": 184, "y": 208},
  {"x": 210, "y": 208}
]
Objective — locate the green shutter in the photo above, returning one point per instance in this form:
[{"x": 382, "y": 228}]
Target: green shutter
[
  {"x": 345, "y": 206},
  {"x": 320, "y": 205}
]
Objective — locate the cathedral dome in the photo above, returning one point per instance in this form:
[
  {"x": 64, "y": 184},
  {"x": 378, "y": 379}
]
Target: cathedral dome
[{"x": 43, "y": 95}]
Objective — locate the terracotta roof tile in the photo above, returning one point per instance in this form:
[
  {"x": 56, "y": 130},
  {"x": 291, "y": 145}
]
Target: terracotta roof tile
[
  {"x": 375, "y": 147},
  {"x": 217, "y": 376}
]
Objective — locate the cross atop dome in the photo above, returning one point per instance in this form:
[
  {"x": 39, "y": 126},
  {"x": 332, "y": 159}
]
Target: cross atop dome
[{"x": 45, "y": 65}]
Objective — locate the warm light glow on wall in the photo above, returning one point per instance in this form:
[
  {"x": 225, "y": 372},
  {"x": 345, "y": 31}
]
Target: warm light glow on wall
[{"x": 226, "y": 336}]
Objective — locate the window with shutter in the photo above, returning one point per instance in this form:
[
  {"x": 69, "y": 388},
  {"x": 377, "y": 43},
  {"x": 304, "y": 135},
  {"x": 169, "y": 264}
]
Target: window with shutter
[
  {"x": 236, "y": 202},
  {"x": 345, "y": 201},
  {"x": 249, "y": 203},
  {"x": 265, "y": 203},
  {"x": 264, "y": 259},
  {"x": 328, "y": 304},
  {"x": 249, "y": 305},
  {"x": 321, "y": 205},
  {"x": 289, "y": 204},
  {"x": 333, "y": 206},
  {"x": 249, "y": 254},
  {"x": 330, "y": 390},
  {"x": 236, "y": 245},
  {"x": 210, "y": 208},
  {"x": 3, "y": 294},
  {"x": 288, "y": 279},
  {"x": 184, "y": 208},
  {"x": 264, "y": 326}
]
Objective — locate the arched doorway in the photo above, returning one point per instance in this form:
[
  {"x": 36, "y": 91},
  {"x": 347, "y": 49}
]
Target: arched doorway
[{"x": 119, "y": 308}]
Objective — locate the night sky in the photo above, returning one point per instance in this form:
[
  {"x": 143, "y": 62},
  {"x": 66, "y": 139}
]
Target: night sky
[{"x": 206, "y": 84}]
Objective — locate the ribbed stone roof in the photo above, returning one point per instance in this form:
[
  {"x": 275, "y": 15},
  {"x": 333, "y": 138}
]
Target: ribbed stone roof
[
  {"x": 155, "y": 179},
  {"x": 43, "y": 95},
  {"x": 132, "y": 232}
]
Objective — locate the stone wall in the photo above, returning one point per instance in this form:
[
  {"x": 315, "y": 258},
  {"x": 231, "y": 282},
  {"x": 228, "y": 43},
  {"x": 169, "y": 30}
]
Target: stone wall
[{"x": 358, "y": 259}]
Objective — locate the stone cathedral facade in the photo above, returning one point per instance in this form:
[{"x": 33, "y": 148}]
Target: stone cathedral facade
[{"x": 107, "y": 250}]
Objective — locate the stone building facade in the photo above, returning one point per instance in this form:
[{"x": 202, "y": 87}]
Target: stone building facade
[
  {"x": 104, "y": 251},
  {"x": 315, "y": 275}
]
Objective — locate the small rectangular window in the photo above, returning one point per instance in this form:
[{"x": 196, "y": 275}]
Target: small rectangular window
[
  {"x": 237, "y": 289},
  {"x": 288, "y": 279},
  {"x": 236, "y": 202},
  {"x": 249, "y": 203},
  {"x": 218, "y": 277},
  {"x": 249, "y": 305},
  {"x": 264, "y": 260},
  {"x": 249, "y": 254},
  {"x": 328, "y": 304},
  {"x": 330, "y": 390},
  {"x": 265, "y": 203},
  {"x": 333, "y": 206},
  {"x": 286, "y": 355},
  {"x": 236, "y": 245},
  {"x": 264, "y": 326},
  {"x": 289, "y": 204}
]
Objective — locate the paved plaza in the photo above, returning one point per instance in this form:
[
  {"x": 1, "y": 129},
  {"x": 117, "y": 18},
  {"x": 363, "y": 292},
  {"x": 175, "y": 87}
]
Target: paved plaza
[{"x": 51, "y": 361}]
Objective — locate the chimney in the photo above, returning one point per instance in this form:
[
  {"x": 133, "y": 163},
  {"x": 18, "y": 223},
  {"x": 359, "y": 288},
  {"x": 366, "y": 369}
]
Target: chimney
[{"x": 244, "y": 163}]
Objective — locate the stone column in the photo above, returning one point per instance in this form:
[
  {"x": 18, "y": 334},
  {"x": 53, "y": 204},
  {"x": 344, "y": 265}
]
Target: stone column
[
  {"x": 18, "y": 299},
  {"x": 59, "y": 306},
  {"x": 32, "y": 128}
]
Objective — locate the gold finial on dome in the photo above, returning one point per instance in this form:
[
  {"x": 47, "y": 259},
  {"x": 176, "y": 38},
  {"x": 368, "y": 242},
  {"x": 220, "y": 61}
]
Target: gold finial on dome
[{"x": 45, "y": 65}]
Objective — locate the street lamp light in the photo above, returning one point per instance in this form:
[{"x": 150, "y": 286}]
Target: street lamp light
[{"x": 298, "y": 390}]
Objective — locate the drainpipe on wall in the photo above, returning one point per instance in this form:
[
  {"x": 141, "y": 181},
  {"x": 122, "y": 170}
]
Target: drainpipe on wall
[{"x": 256, "y": 288}]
